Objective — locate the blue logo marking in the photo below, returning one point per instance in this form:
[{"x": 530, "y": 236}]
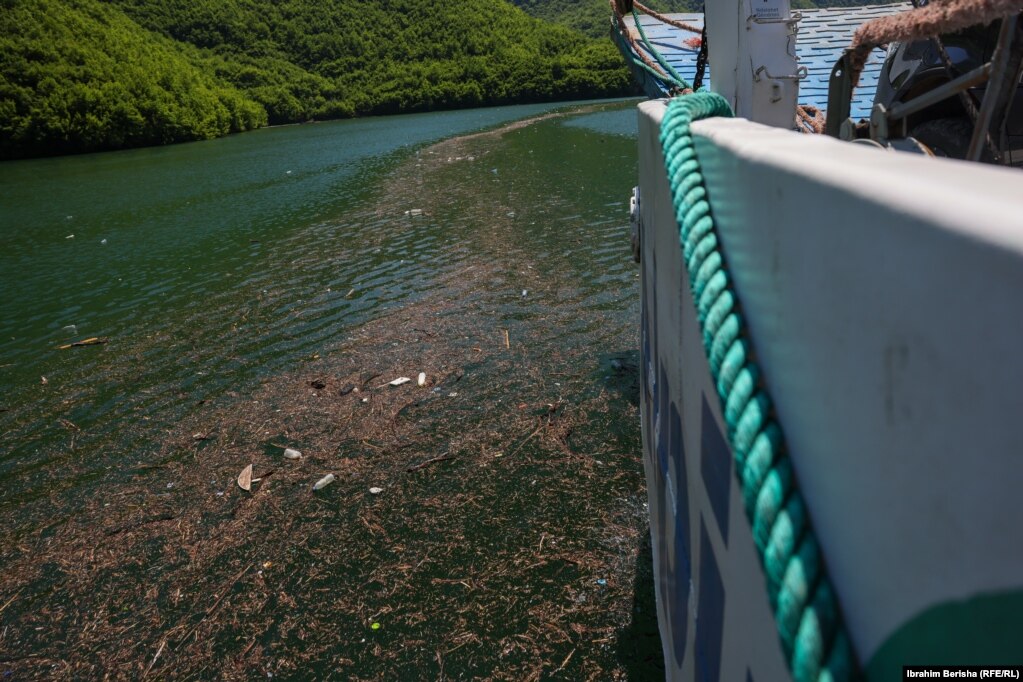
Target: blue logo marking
[
  {"x": 710, "y": 613},
  {"x": 715, "y": 467}
]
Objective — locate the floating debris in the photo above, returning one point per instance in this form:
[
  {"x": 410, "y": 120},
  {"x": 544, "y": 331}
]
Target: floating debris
[
  {"x": 372, "y": 543},
  {"x": 422, "y": 379},
  {"x": 70, "y": 236},
  {"x": 94, "y": 341},
  {"x": 45, "y": 380},
  {"x": 414, "y": 212},
  {"x": 399, "y": 381},
  {"x": 375, "y": 491},
  {"x": 323, "y": 482},
  {"x": 432, "y": 460},
  {"x": 102, "y": 241},
  {"x": 245, "y": 479},
  {"x": 292, "y": 453}
]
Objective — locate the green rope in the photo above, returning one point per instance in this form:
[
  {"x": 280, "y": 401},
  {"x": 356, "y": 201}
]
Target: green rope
[
  {"x": 667, "y": 80},
  {"x": 673, "y": 76},
  {"x": 806, "y": 612},
  {"x": 638, "y": 62}
]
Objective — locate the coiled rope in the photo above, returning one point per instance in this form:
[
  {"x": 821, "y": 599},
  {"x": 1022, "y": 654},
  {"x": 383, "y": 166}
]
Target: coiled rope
[
  {"x": 809, "y": 119},
  {"x": 805, "y": 607}
]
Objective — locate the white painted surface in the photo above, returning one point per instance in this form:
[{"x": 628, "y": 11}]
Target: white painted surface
[
  {"x": 754, "y": 56},
  {"x": 884, "y": 296},
  {"x": 749, "y": 641}
]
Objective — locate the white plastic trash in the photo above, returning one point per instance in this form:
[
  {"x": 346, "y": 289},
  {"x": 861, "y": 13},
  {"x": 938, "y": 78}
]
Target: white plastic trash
[{"x": 323, "y": 482}]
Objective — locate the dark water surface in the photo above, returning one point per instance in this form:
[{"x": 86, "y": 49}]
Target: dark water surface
[{"x": 245, "y": 286}]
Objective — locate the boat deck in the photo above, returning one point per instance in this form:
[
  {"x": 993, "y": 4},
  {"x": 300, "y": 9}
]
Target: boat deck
[{"x": 823, "y": 34}]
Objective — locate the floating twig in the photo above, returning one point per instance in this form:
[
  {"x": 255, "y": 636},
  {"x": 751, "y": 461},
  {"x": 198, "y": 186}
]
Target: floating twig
[
  {"x": 94, "y": 341},
  {"x": 116, "y": 530},
  {"x": 432, "y": 460},
  {"x": 11, "y": 600},
  {"x": 216, "y": 604},
  {"x": 153, "y": 662},
  {"x": 528, "y": 438},
  {"x": 565, "y": 662}
]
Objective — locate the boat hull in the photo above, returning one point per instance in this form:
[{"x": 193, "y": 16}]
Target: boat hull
[{"x": 882, "y": 302}]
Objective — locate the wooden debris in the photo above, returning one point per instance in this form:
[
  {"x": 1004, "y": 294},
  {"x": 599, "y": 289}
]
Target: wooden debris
[
  {"x": 432, "y": 460},
  {"x": 93, "y": 341}
]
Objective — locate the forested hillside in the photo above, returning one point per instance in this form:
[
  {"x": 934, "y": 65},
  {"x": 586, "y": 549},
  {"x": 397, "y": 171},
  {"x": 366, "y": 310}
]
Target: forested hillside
[{"x": 83, "y": 75}]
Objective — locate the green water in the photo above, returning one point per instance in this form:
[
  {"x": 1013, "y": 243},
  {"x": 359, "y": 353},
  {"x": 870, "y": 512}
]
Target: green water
[
  {"x": 213, "y": 268},
  {"x": 204, "y": 264}
]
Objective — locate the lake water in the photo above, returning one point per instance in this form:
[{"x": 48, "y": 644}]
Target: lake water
[{"x": 260, "y": 291}]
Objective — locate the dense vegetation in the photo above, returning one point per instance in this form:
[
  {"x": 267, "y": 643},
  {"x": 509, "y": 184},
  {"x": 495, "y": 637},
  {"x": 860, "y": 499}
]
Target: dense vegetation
[{"x": 83, "y": 75}]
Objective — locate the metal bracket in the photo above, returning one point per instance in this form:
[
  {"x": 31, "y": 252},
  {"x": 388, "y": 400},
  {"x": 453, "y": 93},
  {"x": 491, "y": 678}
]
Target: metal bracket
[
  {"x": 846, "y": 130},
  {"x": 799, "y": 75},
  {"x": 879, "y": 124},
  {"x": 793, "y": 25},
  {"x": 940, "y": 93},
  {"x": 840, "y": 90},
  {"x": 1006, "y": 63},
  {"x": 792, "y": 20},
  {"x": 635, "y": 221}
]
